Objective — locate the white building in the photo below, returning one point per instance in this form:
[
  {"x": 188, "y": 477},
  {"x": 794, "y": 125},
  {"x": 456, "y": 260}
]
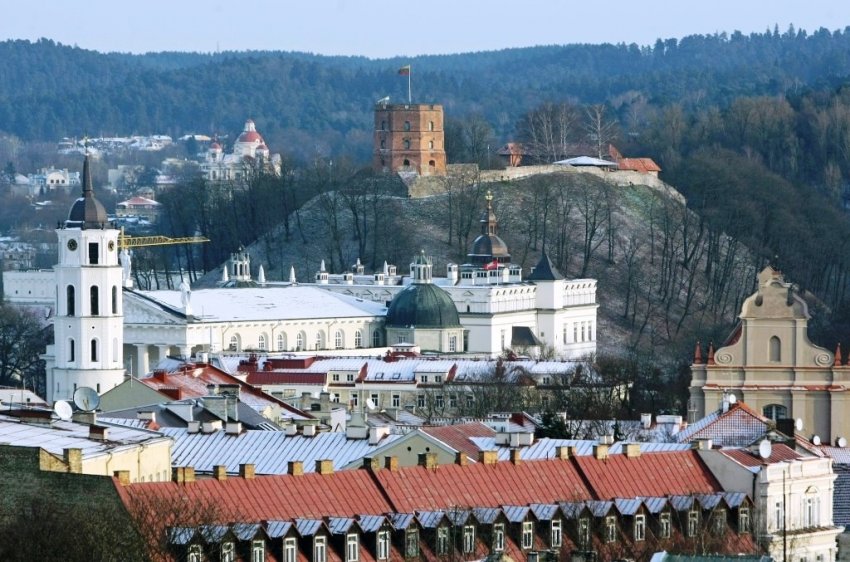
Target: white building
[{"x": 249, "y": 150}]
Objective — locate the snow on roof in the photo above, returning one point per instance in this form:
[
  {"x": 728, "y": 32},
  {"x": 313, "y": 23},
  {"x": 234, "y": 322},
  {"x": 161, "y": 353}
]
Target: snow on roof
[
  {"x": 269, "y": 303},
  {"x": 586, "y": 161}
]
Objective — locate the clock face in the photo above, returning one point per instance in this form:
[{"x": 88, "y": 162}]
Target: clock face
[
  {"x": 72, "y": 244},
  {"x": 111, "y": 245}
]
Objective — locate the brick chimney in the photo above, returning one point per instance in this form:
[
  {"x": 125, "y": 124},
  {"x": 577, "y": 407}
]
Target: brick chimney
[
  {"x": 325, "y": 466},
  {"x": 247, "y": 471},
  {"x": 516, "y": 458},
  {"x": 632, "y": 450},
  {"x": 98, "y": 433},
  {"x": 488, "y": 457},
  {"x": 74, "y": 459},
  {"x": 220, "y": 472},
  {"x": 123, "y": 477},
  {"x": 391, "y": 463},
  {"x": 461, "y": 458},
  {"x": 372, "y": 463},
  {"x": 428, "y": 460},
  {"x": 562, "y": 453},
  {"x": 600, "y": 451},
  {"x": 184, "y": 474},
  {"x": 295, "y": 468}
]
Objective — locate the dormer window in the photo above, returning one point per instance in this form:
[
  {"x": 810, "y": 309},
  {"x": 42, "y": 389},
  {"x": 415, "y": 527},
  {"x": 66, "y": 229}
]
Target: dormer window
[
  {"x": 527, "y": 535},
  {"x": 499, "y": 537},
  {"x": 610, "y": 529},
  {"x": 290, "y": 550},
  {"x": 383, "y": 545},
  {"x": 258, "y": 551},
  {"x": 555, "y": 537},
  {"x": 352, "y": 548},
  {"x": 442, "y": 541},
  {"x": 468, "y": 539},
  {"x": 320, "y": 549},
  {"x": 228, "y": 552},
  {"x": 411, "y": 543}
]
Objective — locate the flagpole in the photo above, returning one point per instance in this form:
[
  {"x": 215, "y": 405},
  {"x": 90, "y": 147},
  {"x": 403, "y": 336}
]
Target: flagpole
[{"x": 409, "y": 95}]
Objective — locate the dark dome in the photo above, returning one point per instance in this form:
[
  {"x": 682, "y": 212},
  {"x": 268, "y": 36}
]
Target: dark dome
[
  {"x": 87, "y": 211},
  {"x": 423, "y": 305},
  {"x": 491, "y": 246}
]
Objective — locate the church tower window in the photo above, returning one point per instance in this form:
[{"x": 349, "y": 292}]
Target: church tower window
[
  {"x": 94, "y": 253},
  {"x": 71, "y": 349},
  {"x": 338, "y": 339},
  {"x": 70, "y": 300},
  {"x": 94, "y": 350},
  {"x": 114, "y": 299},
  {"x": 775, "y": 349},
  {"x": 95, "y": 302}
]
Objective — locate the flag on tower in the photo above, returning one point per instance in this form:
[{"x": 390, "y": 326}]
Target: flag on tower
[{"x": 404, "y": 70}]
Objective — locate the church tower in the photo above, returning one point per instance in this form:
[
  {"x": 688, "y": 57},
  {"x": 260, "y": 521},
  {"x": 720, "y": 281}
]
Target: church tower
[
  {"x": 409, "y": 138},
  {"x": 89, "y": 324}
]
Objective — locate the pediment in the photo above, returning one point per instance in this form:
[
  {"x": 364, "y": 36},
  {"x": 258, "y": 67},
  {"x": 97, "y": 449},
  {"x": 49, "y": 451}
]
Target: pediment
[{"x": 140, "y": 311}]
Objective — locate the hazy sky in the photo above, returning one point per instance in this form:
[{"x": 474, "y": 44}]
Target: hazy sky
[{"x": 385, "y": 29}]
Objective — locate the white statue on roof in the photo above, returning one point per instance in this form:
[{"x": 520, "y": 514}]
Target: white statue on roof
[{"x": 185, "y": 295}]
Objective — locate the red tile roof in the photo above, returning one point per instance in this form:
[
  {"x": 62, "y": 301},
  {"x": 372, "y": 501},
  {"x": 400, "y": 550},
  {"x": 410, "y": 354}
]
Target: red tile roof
[
  {"x": 778, "y": 453},
  {"x": 483, "y": 485},
  {"x": 643, "y": 165},
  {"x": 458, "y": 436},
  {"x": 656, "y": 474}
]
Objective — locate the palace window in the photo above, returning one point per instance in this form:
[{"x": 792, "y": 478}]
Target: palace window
[
  {"x": 358, "y": 339},
  {"x": 376, "y": 339},
  {"x": 281, "y": 342},
  {"x": 319, "y": 340},
  {"x": 299, "y": 342},
  {"x": 338, "y": 339},
  {"x": 261, "y": 342}
]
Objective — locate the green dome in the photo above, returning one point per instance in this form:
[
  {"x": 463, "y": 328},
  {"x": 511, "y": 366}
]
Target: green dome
[{"x": 423, "y": 305}]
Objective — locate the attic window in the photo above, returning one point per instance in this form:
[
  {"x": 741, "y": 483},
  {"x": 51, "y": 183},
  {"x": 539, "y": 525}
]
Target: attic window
[
  {"x": 396, "y": 376},
  {"x": 379, "y": 376}
]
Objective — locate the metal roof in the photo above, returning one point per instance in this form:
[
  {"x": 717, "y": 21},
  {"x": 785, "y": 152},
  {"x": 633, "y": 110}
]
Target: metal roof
[
  {"x": 599, "y": 508},
  {"x": 370, "y": 523},
  {"x": 429, "y": 519},
  {"x": 628, "y": 507},
  {"x": 213, "y": 533},
  {"x": 246, "y": 531},
  {"x": 544, "y": 511},
  {"x": 486, "y": 515},
  {"x": 572, "y": 510},
  {"x": 276, "y": 529},
  {"x": 340, "y": 525},
  {"x": 181, "y": 535},
  {"x": 269, "y": 451},
  {"x": 709, "y": 501},
  {"x": 655, "y": 505},
  {"x": 681, "y": 502},
  {"x": 515, "y": 513},
  {"x": 400, "y": 520},
  {"x": 307, "y": 527},
  {"x": 458, "y": 516}
]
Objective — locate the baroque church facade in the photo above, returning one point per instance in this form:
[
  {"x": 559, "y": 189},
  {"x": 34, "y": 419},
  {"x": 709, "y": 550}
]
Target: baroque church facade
[{"x": 769, "y": 363}]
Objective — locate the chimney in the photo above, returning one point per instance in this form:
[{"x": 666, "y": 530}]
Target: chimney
[
  {"x": 325, "y": 466},
  {"x": 184, "y": 474},
  {"x": 391, "y": 463},
  {"x": 193, "y": 427},
  {"x": 74, "y": 459},
  {"x": 461, "y": 459},
  {"x": 562, "y": 453},
  {"x": 572, "y": 450},
  {"x": 600, "y": 451},
  {"x": 123, "y": 477},
  {"x": 89, "y": 418},
  {"x": 295, "y": 468},
  {"x": 220, "y": 472},
  {"x": 516, "y": 457},
  {"x": 308, "y": 430},
  {"x": 428, "y": 460},
  {"x": 488, "y": 457},
  {"x": 160, "y": 374},
  {"x": 646, "y": 421},
  {"x": 98, "y": 433},
  {"x": 632, "y": 450},
  {"x": 701, "y": 444},
  {"x": 372, "y": 463},
  {"x": 233, "y": 428},
  {"x": 325, "y": 401},
  {"x": 146, "y": 415},
  {"x": 246, "y": 471}
]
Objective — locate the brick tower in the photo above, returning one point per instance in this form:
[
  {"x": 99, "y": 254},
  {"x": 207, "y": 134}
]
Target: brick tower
[{"x": 409, "y": 137}]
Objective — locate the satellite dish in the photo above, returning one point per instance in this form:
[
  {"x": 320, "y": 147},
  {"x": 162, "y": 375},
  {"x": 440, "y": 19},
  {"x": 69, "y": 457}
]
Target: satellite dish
[
  {"x": 765, "y": 449},
  {"x": 732, "y": 398},
  {"x": 63, "y": 410},
  {"x": 841, "y": 442},
  {"x": 370, "y": 404},
  {"x": 815, "y": 439},
  {"x": 86, "y": 399},
  {"x": 798, "y": 424}
]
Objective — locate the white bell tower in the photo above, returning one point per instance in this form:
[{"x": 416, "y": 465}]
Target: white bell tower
[{"x": 89, "y": 324}]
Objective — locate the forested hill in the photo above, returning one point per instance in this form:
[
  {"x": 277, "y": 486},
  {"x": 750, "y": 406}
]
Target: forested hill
[{"x": 49, "y": 90}]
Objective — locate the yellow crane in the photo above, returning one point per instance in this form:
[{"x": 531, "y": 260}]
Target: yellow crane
[{"x": 126, "y": 241}]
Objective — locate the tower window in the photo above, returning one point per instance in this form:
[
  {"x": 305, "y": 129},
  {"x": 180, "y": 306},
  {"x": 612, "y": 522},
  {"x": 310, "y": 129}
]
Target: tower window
[
  {"x": 94, "y": 350},
  {"x": 430, "y": 125},
  {"x": 94, "y": 253},
  {"x": 95, "y": 304},
  {"x": 407, "y": 144},
  {"x": 114, "y": 299},
  {"x": 383, "y": 125},
  {"x": 71, "y": 349},
  {"x": 70, "y": 300},
  {"x": 775, "y": 349},
  {"x": 431, "y": 145},
  {"x": 406, "y": 162},
  {"x": 407, "y": 125},
  {"x": 383, "y": 143}
]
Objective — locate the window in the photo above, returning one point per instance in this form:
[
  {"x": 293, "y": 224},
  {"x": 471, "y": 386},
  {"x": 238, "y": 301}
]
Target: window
[
  {"x": 376, "y": 339},
  {"x": 69, "y": 300},
  {"x": 94, "y": 253},
  {"x": 640, "y": 527},
  {"x": 470, "y": 400},
  {"x": 743, "y": 520},
  {"x": 228, "y": 553},
  {"x": 718, "y": 521},
  {"x": 407, "y": 125},
  {"x": 442, "y": 541},
  {"x": 468, "y": 539},
  {"x": 775, "y": 349},
  {"x": 261, "y": 342},
  {"x": 575, "y": 331},
  {"x": 778, "y": 515},
  {"x": 693, "y": 523},
  {"x": 565, "y": 333},
  {"x": 352, "y": 548},
  {"x": 319, "y": 340},
  {"x": 407, "y": 147},
  {"x": 94, "y": 302},
  {"x": 234, "y": 343},
  {"x": 775, "y": 411},
  {"x": 431, "y": 145},
  {"x": 406, "y": 163},
  {"x": 555, "y": 538},
  {"x": 258, "y": 551},
  {"x": 353, "y": 399},
  {"x": 664, "y": 526},
  {"x": 420, "y": 401},
  {"x": 335, "y": 377},
  {"x": 115, "y": 350},
  {"x": 439, "y": 402},
  {"x": 338, "y": 339},
  {"x": 299, "y": 342},
  {"x": 320, "y": 549},
  {"x": 810, "y": 512},
  {"x": 610, "y": 528},
  {"x": 527, "y": 534},
  {"x": 290, "y": 551},
  {"x": 281, "y": 342},
  {"x": 438, "y": 378},
  {"x": 358, "y": 339},
  {"x": 423, "y": 379},
  {"x": 374, "y": 398},
  {"x": 430, "y": 125},
  {"x": 411, "y": 543},
  {"x": 453, "y": 400},
  {"x": 94, "y": 350},
  {"x": 71, "y": 349},
  {"x": 383, "y": 143},
  {"x": 383, "y": 125},
  {"x": 396, "y": 401},
  {"x": 195, "y": 553},
  {"x": 383, "y": 545},
  {"x": 114, "y": 299},
  {"x": 349, "y": 377},
  {"x": 498, "y": 537},
  {"x": 452, "y": 344}
]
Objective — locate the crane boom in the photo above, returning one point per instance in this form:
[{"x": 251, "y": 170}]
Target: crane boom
[{"x": 125, "y": 241}]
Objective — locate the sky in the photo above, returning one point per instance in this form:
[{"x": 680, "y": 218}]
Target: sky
[{"x": 387, "y": 29}]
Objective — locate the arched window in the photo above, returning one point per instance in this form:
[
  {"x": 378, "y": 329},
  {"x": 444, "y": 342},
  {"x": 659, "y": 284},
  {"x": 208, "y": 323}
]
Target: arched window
[
  {"x": 432, "y": 164},
  {"x": 261, "y": 342},
  {"x": 407, "y": 144},
  {"x": 320, "y": 340},
  {"x": 407, "y": 125},
  {"x": 358, "y": 339},
  {"x": 383, "y": 125},
  {"x": 775, "y": 411},
  {"x": 338, "y": 339},
  {"x": 376, "y": 339},
  {"x": 281, "y": 342},
  {"x": 775, "y": 349},
  {"x": 406, "y": 162},
  {"x": 234, "y": 343},
  {"x": 383, "y": 143},
  {"x": 71, "y": 349},
  {"x": 299, "y": 342},
  {"x": 114, "y": 299},
  {"x": 70, "y": 300},
  {"x": 431, "y": 145},
  {"x": 95, "y": 306},
  {"x": 94, "y": 349}
]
